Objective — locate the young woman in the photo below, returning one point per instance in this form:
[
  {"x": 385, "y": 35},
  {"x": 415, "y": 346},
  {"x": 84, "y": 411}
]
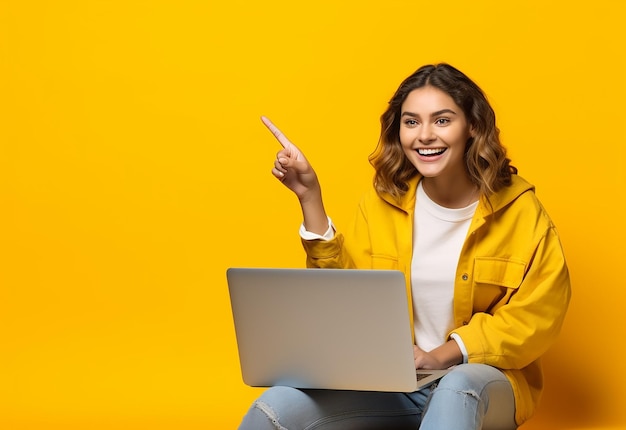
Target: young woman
[{"x": 484, "y": 266}]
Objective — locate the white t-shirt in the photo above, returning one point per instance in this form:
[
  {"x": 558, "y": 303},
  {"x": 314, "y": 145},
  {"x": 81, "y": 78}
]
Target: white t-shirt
[{"x": 438, "y": 236}]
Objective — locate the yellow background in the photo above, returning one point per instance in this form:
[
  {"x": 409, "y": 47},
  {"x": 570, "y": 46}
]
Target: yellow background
[{"x": 134, "y": 170}]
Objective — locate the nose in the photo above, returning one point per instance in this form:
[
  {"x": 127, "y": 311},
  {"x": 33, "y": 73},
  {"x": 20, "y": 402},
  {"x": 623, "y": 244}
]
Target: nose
[{"x": 426, "y": 134}]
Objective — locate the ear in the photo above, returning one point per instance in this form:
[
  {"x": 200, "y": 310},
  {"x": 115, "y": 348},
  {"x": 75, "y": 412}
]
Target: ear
[{"x": 472, "y": 131}]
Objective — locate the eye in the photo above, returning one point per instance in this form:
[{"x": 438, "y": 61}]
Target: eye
[
  {"x": 442, "y": 121},
  {"x": 410, "y": 122}
]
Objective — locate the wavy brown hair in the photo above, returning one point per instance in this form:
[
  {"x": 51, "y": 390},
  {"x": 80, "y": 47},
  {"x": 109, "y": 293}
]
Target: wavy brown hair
[{"x": 485, "y": 157}]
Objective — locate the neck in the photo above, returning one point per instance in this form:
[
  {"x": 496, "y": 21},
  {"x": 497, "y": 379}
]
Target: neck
[{"x": 452, "y": 193}]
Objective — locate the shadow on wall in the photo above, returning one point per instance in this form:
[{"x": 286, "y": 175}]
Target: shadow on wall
[{"x": 573, "y": 397}]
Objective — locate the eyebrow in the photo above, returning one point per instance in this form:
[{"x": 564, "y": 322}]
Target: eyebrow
[{"x": 437, "y": 113}]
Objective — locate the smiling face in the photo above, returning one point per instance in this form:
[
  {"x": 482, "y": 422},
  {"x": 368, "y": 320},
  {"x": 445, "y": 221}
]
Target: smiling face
[{"x": 434, "y": 132}]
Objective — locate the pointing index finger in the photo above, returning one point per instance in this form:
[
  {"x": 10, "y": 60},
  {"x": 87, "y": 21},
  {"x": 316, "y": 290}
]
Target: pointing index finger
[{"x": 282, "y": 139}]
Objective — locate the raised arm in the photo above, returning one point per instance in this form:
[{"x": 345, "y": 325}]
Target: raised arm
[{"x": 294, "y": 171}]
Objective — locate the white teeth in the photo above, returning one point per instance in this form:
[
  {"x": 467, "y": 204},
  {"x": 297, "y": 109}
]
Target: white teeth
[{"x": 428, "y": 151}]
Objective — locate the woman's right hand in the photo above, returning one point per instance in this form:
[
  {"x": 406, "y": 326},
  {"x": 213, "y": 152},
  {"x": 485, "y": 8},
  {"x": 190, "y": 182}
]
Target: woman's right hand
[{"x": 292, "y": 168}]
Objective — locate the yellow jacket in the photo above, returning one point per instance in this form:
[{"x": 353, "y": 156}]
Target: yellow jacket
[{"x": 512, "y": 285}]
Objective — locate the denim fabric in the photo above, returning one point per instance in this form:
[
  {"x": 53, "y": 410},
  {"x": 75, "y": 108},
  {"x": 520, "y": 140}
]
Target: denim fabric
[{"x": 471, "y": 396}]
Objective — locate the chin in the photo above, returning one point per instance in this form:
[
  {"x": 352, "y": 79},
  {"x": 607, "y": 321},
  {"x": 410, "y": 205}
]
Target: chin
[{"x": 429, "y": 172}]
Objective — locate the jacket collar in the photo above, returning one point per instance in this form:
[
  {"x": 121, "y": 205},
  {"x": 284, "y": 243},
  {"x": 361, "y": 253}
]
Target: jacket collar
[
  {"x": 504, "y": 197},
  {"x": 496, "y": 201}
]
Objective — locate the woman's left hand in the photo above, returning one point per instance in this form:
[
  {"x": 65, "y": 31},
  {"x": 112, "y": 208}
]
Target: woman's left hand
[
  {"x": 441, "y": 357},
  {"x": 424, "y": 360}
]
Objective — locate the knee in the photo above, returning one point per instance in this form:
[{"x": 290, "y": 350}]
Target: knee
[
  {"x": 264, "y": 412},
  {"x": 470, "y": 378},
  {"x": 269, "y": 410},
  {"x": 285, "y": 400}
]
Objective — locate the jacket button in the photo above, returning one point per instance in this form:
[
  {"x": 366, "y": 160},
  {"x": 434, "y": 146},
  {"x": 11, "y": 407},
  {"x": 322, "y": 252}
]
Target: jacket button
[{"x": 465, "y": 277}]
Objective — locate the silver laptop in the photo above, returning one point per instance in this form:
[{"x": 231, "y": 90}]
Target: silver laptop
[{"x": 325, "y": 329}]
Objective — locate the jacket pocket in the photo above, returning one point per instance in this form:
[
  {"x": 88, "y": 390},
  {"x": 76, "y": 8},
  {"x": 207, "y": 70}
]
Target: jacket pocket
[
  {"x": 495, "y": 281},
  {"x": 384, "y": 262}
]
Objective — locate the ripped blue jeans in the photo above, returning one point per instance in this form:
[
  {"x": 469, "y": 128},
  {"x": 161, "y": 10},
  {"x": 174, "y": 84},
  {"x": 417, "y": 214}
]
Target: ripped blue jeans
[{"x": 470, "y": 397}]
